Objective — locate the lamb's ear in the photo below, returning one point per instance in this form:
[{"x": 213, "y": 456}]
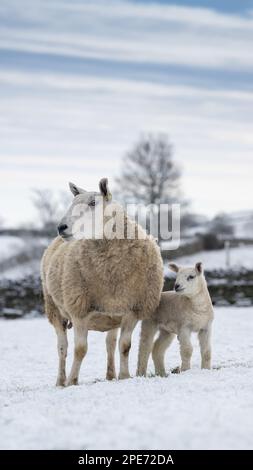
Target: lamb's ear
[
  {"x": 104, "y": 189},
  {"x": 199, "y": 268},
  {"x": 174, "y": 267},
  {"x": 75, "y": 190}
]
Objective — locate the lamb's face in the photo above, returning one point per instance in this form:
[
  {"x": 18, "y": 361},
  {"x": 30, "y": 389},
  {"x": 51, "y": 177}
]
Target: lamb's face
[
  {"x": 188, "y": 280},
  {"x": 85, "y": 217}
]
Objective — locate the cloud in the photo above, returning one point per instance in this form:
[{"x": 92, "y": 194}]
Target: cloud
[
  {"x": 94, "y": 84},
  {"x": 157, "y": 34},
  {"x": 80, "y": 81}
]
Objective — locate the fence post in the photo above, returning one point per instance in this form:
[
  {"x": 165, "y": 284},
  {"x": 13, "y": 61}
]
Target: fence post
[{"x": 227, "y": 251}]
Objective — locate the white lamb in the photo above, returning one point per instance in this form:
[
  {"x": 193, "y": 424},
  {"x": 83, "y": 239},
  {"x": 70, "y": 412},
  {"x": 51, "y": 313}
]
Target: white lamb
[{"x": 183, "y": 311}]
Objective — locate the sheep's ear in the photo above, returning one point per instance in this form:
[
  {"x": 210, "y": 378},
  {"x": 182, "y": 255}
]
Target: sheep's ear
[
  {"x": 199, "y": 268},
  {"x": 174, "y": 267},
  {"x": 104, "y": 189},
  {"x": 75, "y": 190}
]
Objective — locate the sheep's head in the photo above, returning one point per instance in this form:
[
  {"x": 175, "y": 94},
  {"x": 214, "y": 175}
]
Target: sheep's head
[
  {"x": 87, "y": 214},
  {"x": 189, "y": 280}
]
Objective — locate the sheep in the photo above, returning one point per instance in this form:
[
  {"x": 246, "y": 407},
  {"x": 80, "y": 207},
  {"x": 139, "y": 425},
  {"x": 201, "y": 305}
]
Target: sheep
[
  {"x": 99, "y": 281},
  {"x": 183, "y": 311}
]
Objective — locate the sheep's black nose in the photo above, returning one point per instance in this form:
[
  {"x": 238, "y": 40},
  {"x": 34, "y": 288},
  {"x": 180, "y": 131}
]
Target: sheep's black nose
[
  {"x": 61, "y": 228},
  {"x": 177, "y": 287}
]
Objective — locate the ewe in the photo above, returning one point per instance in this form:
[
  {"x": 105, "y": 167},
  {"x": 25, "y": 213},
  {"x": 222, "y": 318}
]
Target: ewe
[
  {"x": 188, "y": 309},
  {"x": 108, "y": 278}
]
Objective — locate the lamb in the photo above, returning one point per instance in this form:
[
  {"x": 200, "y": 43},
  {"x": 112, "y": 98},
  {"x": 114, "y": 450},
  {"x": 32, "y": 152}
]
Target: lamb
[
  {"x": 99, "y": 281},
  {"x": 183, "y": 311}
]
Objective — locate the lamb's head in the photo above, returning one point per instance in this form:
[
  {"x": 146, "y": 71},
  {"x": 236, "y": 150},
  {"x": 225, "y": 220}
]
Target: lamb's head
[
  {"x": 189, "y": 280},
  {"x": 86, "y": 216}
]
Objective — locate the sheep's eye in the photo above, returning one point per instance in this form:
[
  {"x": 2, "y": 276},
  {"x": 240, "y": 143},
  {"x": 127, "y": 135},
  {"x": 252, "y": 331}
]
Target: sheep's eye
[
  {"x": 190, "y": 278},
  {"x": 92, "y": 203}
]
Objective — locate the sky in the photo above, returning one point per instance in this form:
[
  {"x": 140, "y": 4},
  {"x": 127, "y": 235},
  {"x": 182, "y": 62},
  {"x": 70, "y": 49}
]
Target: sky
[{"x": 81, "y": 81}]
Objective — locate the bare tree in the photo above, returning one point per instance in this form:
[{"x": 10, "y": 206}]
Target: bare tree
[
  {"x": 50, "y": 207},
  {"x": 149, "y": 174}
]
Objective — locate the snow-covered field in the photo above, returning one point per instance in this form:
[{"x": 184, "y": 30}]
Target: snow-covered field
[
  {"x": 194, "y": 410},
  {"x": 10, "y": 246},
  {"x": 240, "y": 257},
  {"x": 22, "y": 270}
]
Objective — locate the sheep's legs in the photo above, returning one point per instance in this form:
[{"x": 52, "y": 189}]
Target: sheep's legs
[
  {"x": 162, "y": 343},
  {"x": 186, "y": 349},
  {"x": 127, "y": 325},
  {"x": 111, "y": 340},
  {"x": 80, "y": 326},
  {"x": 59, "y": 323},
  {"x": 148, "y": 331},
  {"x": 205, "y": 347},
  {"x": 62, "y": 346}
]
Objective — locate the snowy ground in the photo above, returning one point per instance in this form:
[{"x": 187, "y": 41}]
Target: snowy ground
[
  {"x": 240, "y": 257},
  {"x": 10, "y": 246},
  {"x": 194, "y": 410},
  {"x": 21, "y": 271}
]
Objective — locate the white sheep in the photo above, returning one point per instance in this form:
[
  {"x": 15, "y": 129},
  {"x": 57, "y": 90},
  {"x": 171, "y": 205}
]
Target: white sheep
[
  {"x": 99, "y": 283},
  {"x": 183, "y": 311}
]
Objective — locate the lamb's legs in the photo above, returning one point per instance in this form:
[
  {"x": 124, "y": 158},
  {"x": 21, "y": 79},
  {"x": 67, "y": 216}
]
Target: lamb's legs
[
  {"x": 186, "y": 349},
  {"x": 161, "y": 345},
  {"x": 62, "y": 346},
  {"x": 80, "y": 326},
  {"x": 127, "y": 326},
  {"x": 205, "y": 347},
  {"x": 148, "y": 331},
  {"x": 111, "y": 340}
]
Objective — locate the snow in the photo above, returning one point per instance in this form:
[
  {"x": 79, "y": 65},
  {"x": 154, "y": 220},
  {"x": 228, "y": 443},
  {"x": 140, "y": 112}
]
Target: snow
[
  {"x": 242, "y": 222},
  {"x": 175, "y": 243},
  {"x": 240, "y": 257},
  {"x": 22, "y": 270},
  {"x": 9, "y": 246},
  {"x": 194, "y": 410}
]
